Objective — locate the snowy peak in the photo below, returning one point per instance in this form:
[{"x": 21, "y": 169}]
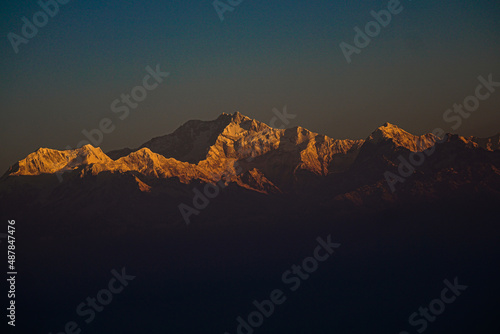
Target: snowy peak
[
  {"x": 89, "y": 154},
  {"x": 389, "y": 131},
  {"x": 148, "y": 163},
  {"x": 242, "y": 126},
  {"x": 49, "y": 161},
  {"x": 143, "y": 160},
  {"x": 42, "y": 161},
  {"x": 192, "y": 141},
  {"x": 401, "y": 138},
  {"x": 239, "y": 118}
]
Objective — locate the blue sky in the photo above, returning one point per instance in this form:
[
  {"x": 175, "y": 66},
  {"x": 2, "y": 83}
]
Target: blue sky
[{"x": 263, "y": 55}]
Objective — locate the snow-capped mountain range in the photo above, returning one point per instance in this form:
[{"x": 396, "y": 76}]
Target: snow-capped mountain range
[
  {"x": 209, "y": 150},
  {"x": 250, "y": 157}
]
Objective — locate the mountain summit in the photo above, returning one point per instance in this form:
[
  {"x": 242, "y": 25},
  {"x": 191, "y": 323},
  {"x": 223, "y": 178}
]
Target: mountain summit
[
  {"x": 401, "y": 138},
  {"x": 242, "y": 153}
]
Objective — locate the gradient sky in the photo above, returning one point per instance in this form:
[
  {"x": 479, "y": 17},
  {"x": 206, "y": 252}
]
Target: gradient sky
[{"x": 265, "y": 54}]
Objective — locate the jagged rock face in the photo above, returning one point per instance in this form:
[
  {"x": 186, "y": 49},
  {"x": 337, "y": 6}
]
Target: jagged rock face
[{"x": 245, "y": 152}]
